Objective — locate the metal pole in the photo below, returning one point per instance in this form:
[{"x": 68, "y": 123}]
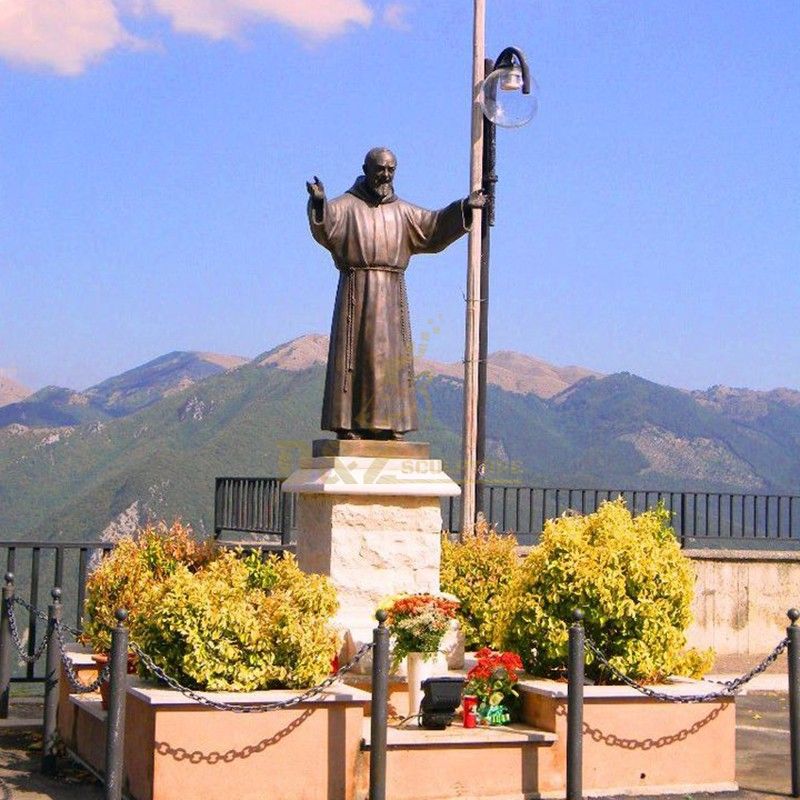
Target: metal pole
[
  {"x": 380, "y": 708},
  {"x": 487, "y": 220},
  {"x": 575, "y": 676},
  {"x": 5, "y": 645},
  {"x": 52, "y": 669},
  {"x": 793, "y": 632},
  {"x": 115, "y": 721},
  {"x": 286, "y": 518},
  {"x": 682, "y": 537},
  {"x": 471, "y": 336}
]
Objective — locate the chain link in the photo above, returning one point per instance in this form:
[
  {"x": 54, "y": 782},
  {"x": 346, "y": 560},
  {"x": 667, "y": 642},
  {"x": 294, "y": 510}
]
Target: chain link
[
  {"x": 17, "y": 639},
  {"x": 30, "y": 609},
  {"x": 731, "y": 687},
  {"x": 76, "y": 632},
  {"x": 69, "y": 669},
  {"x": 248, "y": 708}
]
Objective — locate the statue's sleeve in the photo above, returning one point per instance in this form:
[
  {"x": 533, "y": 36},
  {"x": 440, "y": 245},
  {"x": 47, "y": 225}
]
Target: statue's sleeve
[
  {"x": 432, "y": 231},
  {"x": 327, "y": 224}
]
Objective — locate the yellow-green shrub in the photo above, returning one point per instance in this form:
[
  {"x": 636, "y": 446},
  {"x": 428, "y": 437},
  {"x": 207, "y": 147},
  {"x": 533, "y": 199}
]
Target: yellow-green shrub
[
  {"x": 478, "y": 571},
  {"x": 132, "y": 575},
  {"x": 629, "y": 577},
  {"x": 241, "y": 624}
]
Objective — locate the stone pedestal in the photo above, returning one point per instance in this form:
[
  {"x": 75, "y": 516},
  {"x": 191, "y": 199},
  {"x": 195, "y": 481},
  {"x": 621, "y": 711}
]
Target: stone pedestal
[{"x": 371, "y": 519}]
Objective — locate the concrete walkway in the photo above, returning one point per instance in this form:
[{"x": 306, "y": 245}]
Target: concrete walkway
[{"x": 762, "y": 756}]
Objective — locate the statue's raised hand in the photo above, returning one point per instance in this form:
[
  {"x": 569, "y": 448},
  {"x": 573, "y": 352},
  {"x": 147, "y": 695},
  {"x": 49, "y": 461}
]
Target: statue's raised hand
[
  {"x": 477, "y": 199},
  {"x": 316, "y": 190}
]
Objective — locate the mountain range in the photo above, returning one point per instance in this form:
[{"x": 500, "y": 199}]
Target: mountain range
[{"x": 149, "y": 442}]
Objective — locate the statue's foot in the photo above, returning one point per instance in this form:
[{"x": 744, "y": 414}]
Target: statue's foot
[
  {"x": 384, "y": 435},
  {"x": 349, "y": 435}
]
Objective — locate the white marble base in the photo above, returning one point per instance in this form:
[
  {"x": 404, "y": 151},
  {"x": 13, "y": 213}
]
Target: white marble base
[{"x": 373, "y": 525}]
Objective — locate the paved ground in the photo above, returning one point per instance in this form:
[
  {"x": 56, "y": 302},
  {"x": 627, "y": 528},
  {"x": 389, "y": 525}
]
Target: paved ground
[{"x": 762, "y": 757}]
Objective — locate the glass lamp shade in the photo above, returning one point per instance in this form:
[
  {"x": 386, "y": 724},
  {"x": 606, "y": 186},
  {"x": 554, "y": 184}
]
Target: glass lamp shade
[{"x": 502, "y": 100}]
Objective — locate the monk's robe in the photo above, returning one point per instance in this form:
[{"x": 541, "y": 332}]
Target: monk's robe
[{"x": 369, "y": 384}]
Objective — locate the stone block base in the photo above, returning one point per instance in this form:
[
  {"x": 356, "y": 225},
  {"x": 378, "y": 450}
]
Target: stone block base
[{"x": 370, "y": 547}]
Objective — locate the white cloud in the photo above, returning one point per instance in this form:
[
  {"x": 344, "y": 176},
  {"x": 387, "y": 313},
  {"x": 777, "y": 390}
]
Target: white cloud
[
  {"x": 66, "y": 36},
  {"x": 62, "y": 35},
  {"x": 223, "y": 19}
]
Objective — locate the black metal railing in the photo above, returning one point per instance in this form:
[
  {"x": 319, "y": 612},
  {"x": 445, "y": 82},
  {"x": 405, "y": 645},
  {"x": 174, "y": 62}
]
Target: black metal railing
[
  {"x": 257, "y": 505},
  {"x": 253, "y": 505},
  {"x": 701, "y": 517}
]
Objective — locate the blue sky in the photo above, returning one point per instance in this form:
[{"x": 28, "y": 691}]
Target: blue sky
[{"x": 153, "y": 155}]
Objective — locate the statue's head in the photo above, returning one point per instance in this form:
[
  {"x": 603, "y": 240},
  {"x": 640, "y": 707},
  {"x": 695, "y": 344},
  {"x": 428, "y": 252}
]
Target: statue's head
[{"x": 379, "y": 166}]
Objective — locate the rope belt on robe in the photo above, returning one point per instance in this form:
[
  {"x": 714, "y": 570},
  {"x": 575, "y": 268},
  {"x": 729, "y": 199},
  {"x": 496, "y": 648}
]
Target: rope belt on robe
[{"x": 351, "y": 306}]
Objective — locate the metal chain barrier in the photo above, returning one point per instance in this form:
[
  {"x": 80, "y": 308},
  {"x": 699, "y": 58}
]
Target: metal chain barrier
[
  {"x": 731, "y": 687},
  {"x": 30, "y": 609},
  {"x": 249, "y": 708},
  {"x": 69, "y": 669},
  {"x": 17, "y": 639}
]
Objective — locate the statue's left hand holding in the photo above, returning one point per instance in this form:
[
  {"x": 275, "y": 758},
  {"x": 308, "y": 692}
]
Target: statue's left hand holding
[{"x": 477, "y": 199}]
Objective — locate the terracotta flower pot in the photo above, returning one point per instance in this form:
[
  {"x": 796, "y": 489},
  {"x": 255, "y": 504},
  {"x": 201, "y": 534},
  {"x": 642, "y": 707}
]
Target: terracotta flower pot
[{"x": 101, "y": 659}]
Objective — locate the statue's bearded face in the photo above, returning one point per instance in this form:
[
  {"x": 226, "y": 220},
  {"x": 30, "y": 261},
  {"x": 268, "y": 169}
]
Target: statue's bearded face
[{"x": 379, "y": 171}]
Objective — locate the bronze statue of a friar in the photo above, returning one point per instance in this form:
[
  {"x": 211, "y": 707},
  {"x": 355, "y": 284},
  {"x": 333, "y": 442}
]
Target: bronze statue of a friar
[{"x": 372, "y": 234}]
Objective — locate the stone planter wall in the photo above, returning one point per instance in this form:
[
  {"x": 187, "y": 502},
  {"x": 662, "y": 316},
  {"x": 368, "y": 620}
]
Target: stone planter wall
[
  {"x": 175, "y": 748},
  {"x": 635, "y": 745}
]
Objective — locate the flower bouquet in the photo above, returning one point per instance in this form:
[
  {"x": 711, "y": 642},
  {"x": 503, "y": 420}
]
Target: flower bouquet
[
  {"x": 492, "y": 681},
  {"x": 418, "y": 623}
]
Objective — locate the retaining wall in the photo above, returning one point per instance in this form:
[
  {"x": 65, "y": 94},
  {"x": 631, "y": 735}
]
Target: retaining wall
[{"x": 741, "y": 598}]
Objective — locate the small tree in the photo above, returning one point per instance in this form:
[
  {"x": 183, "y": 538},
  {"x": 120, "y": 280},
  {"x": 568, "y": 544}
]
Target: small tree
[{"x": 629, "y": 577}]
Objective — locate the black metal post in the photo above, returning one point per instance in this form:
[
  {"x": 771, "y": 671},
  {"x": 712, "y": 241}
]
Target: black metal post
[
  {"x": 793, "y": 632},
  {"x": 682, "y": 537},
  {"x": 5, "y": 645},
  {"x": 52, "y": 668},
  {"x": 286, "y": 518},
  {"x": 115, "y": 722},
  {"x": 575, "y": 677},
  {"x": 380, "y": 708},
  {"x": 487, "y": 220}
]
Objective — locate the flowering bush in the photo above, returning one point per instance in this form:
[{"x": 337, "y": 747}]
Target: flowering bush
[
  {"x": 419, "y": 622},
  {"x": 492, "y": 681},
  {"x": 478, "y": 570},
  {"x": 132, "y": 577},
  {"x": 212, "y": 618},
  {"x": 241, "y": 624},
  {"x": 627, "y": 574}
]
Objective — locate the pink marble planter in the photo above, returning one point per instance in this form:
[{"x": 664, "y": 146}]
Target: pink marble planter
[
  {"x": 175, "y": 749},
  {"x": 635, "y": 745}
]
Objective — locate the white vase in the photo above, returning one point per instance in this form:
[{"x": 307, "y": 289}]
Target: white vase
[{"x": 420, "y": 667}]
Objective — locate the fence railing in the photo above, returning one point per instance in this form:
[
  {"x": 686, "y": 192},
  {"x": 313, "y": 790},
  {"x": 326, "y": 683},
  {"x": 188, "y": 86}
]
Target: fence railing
[
  {"x": 702, "y": 516},
  {"x": 40, "y": 565},
  {"x": 257, "y": 505},
  {"x": 253, "y": 505}
]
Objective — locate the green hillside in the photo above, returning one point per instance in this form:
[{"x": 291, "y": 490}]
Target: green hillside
[{"x": 607, "y": 432}]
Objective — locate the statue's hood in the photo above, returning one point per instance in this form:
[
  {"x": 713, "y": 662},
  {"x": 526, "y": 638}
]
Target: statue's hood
[{"x": 360, "y": 190}]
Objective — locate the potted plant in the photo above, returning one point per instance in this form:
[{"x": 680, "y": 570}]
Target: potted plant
[
  {"x": 418, "y": 623},
  {"x": 492, "y": 682}
]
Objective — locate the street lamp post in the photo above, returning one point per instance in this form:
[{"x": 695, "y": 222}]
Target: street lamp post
[
  {"x": 509, "y": 73},
  {"x": 505, "y": 98}
]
